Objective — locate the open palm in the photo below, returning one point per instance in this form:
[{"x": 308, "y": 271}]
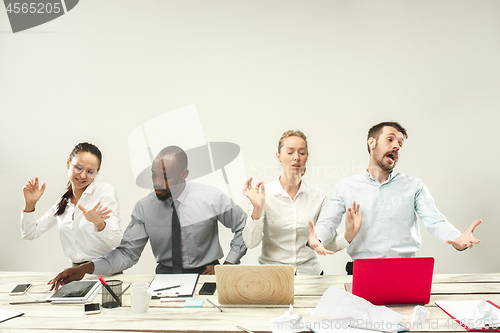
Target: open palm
[{"x": 32, "y": 191}]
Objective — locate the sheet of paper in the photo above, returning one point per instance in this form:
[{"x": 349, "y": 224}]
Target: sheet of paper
[
  {"x": 339, "y": 304},
  {"x": 463, "y": 311},
  {"x": 186, "y": 283},
  {"x": 6, "y": 315}
]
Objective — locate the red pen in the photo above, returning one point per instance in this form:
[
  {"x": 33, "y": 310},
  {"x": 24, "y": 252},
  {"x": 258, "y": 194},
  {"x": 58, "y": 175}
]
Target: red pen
[{"x": 110, "y": 290}]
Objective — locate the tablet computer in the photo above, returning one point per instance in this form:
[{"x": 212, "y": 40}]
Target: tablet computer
[{"x": 76, "y": 292}]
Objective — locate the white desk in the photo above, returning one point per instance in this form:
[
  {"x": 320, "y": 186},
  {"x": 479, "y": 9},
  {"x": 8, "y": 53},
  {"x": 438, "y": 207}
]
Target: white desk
[{"x": 172, "y": 317}]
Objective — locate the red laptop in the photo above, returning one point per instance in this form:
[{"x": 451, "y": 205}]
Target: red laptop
[{"x": 386, "y": 281}]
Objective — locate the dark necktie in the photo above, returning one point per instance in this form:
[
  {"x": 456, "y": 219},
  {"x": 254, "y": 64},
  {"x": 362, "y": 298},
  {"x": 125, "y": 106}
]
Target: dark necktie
[{"x": 176, "y": 243}]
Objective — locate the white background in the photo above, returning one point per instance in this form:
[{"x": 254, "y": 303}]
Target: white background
[{"x": 255, "y": 69}]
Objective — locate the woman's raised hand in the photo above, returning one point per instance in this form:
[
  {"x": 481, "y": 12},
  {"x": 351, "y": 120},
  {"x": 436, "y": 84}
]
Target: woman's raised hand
[
  {"x": 96, "y": 216},
  {"x": 257, "y": 196},
  {"x": 314, "y": 242},
  {"x": 32, "y": 193}
]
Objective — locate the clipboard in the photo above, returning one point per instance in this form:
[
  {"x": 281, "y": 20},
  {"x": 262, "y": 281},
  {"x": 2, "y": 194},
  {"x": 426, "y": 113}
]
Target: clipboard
[
  {"x": 449, "y": 307},
  {"x": 185, "y": 286}
]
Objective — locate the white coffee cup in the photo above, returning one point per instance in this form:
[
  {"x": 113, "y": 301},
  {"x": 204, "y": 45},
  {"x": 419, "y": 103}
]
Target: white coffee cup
[{"x": 140, "y": 295}]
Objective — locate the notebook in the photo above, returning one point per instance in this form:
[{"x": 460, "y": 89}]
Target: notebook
[
  {"x": 255, "y": 284},
  {"x": 6, "y": 315},
  {"x": 385, "y": 281}
]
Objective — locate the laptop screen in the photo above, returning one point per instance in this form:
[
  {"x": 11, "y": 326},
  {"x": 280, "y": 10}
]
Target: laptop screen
[{"x": 385, "y": 281}]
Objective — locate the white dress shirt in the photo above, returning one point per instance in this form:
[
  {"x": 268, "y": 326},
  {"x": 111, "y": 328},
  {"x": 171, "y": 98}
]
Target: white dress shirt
[
  {"x": 283, "y": 228},
  {"x": 79, "y": 238},
  {"x": 390, "y": 226}
]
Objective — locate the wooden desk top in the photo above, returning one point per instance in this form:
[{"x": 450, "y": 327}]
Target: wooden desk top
[{"x": 173, "y": 317}]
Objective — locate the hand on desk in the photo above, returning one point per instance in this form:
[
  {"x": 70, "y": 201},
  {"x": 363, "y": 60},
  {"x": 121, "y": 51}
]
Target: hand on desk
[
  {"x": 71, "y": 274},
  {"x": 466, "y": 240}
]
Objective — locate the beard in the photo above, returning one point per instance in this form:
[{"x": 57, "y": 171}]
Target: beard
[
  {"x": 163, "y": 196},
  {"x": 380, "y": 160},
  {"x": 386, "y": 168}
]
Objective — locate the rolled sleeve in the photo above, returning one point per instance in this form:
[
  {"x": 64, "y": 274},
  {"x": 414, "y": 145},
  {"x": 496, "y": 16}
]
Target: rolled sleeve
[
  {"x": 101, "y": 266},
  {"x": 338, "y": 244},
  {"x": 235, "y": 219}
]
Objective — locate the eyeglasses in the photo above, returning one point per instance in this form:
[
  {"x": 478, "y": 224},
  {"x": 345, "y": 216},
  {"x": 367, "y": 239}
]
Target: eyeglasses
[{"x": 77, "y": 168}]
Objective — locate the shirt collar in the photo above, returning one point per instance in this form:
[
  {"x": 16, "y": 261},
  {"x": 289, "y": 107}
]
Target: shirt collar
[
  {"x": 371, "y": 179},
  {"x": 275, "y": 188},
  {"x": 181, "y": 199},
  {"x": 90, "y": 188}
]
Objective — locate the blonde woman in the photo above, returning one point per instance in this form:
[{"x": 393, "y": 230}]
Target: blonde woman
[{"x": 281, "y": 211}]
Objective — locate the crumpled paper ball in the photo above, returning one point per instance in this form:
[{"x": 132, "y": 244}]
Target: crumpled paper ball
[
  {"x": 420, "y": 314},
  {"x": 288, "y": 323},
  {"x": 484, "y": 312}
]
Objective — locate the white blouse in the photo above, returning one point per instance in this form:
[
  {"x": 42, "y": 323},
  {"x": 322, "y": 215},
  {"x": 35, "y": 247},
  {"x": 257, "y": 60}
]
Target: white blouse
[
  {"x": 79, "y": 238},
  {"x": 283, "y": 228}
]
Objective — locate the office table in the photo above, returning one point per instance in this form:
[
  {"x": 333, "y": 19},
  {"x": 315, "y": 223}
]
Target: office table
[{"x": 173, "y": 317}]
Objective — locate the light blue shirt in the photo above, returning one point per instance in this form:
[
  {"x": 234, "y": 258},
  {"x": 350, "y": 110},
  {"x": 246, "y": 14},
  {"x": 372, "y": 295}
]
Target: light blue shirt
[{"x": 390, "y": 226}]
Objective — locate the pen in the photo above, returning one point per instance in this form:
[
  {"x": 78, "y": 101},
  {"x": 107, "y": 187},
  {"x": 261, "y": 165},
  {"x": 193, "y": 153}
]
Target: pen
[
  {"x": 167, "y": 288},
  {"x": 244, "y": 329},
  {"x": 215, "y": 306},
  {"x": 124, "y": 290},
  {"x": 29, "y": 302},
  {"x": 110, "y": 290}
]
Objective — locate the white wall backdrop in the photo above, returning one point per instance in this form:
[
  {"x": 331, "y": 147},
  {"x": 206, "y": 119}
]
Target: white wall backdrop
[{"x": 255, "y": 69}]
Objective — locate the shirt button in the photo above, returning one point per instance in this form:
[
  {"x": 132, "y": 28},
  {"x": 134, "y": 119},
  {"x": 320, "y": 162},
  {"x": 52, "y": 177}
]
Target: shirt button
[
  {"x": 385, "y": 238},
  {"x": 383, "y": 220},
  {"x": 381, "y": 204}
]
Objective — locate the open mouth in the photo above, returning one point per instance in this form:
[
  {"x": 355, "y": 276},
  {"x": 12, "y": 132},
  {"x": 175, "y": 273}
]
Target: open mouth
[
  {"x": 80, "y": 181},
  {"x": 391, "y": 157}
]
